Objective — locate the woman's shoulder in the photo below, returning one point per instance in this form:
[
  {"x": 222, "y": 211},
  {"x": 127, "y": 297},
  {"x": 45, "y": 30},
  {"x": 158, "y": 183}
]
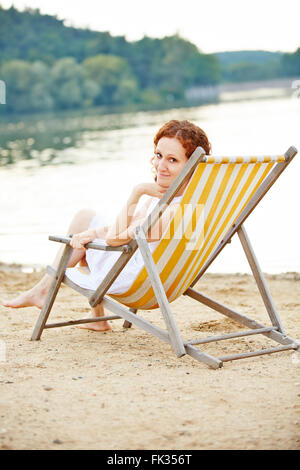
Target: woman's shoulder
[
  {"x": 143, "y": 206},
  {"x": 149, "y": 202}
]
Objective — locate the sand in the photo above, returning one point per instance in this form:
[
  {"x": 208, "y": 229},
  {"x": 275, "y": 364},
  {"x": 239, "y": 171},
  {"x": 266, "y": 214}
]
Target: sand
[{"x": 124, "y": 389}]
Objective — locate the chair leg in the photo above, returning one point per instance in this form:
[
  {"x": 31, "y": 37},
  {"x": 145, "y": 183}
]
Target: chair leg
[
  {"x": 260, "y": 280},
  {"x": 160, "y": 294},
  {"x": 40, "y": 324},
  {"x": 127, "y": 323}
]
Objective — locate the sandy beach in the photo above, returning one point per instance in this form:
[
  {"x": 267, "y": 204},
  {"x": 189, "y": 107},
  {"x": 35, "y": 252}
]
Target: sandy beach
[{"x": 124, "y": 389}]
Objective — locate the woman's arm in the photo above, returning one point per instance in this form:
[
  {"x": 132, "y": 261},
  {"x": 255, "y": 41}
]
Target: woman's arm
[
  {"x": 80, "y": 239},
  {"x": 122, "y": 231},
  {"x": 155, "y": 233}
]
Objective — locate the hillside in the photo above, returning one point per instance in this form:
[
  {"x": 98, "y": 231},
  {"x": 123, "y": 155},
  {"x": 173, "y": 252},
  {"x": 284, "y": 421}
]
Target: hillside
[{"x": 47, "y": 65}]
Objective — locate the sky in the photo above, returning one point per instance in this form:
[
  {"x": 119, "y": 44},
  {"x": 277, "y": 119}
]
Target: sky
[{"x": 213, "y": 25}]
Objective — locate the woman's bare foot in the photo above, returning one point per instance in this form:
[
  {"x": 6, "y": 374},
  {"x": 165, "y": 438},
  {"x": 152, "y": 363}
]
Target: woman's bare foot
[
  {"x": 96, "y": 325},
  {"x": 34, "y": 297}
]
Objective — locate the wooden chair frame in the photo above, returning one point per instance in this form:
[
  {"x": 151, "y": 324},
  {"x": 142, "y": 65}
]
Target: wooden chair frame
[{"x": 172, "y": 335}]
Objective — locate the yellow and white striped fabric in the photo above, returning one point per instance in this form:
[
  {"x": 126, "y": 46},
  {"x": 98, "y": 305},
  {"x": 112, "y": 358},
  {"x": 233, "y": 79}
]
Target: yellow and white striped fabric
[
  {"x": 250, "y": 159},
  {"x": 214, "y": 198}
]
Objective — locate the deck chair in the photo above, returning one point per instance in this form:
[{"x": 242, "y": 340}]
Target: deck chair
[{"x": 220, "y": 195}]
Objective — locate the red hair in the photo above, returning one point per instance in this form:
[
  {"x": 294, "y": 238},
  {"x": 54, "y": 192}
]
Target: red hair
[{"x": 189, "y": 135}]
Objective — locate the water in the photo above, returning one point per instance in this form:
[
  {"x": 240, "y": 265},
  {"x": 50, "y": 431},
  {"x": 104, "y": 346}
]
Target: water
[{"x": 52, "y": 166}]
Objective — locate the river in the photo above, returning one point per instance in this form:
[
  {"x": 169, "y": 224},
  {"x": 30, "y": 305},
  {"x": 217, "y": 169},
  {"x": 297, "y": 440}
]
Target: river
[{"x": 51, "y": 166}]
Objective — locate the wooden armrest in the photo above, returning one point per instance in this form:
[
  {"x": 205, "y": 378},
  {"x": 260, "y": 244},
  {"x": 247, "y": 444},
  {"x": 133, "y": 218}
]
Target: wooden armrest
[{"x": 94, "y": 246}]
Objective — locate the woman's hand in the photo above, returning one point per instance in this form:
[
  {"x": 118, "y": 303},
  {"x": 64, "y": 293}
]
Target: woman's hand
[
  {"x": 80, "y": 239},
  {"x": 129, "y": 216},
  {"x": 151, "y": 189}
]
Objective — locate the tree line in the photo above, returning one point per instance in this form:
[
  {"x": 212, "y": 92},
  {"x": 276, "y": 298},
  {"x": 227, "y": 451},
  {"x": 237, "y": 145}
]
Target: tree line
[{"x": 49, "y": 66}]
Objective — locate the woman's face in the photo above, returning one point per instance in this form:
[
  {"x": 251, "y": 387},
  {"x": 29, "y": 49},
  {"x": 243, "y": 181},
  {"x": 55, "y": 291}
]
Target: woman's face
[{"x": 169, "y": 159}]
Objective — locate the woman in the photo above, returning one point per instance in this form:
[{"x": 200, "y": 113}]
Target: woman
[{"x": 173, "y": 145}]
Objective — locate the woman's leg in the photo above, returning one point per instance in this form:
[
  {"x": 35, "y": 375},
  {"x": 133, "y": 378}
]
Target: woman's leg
[
  {"x": 95, "y": 325},
  {"x": 37, "y": 295}
]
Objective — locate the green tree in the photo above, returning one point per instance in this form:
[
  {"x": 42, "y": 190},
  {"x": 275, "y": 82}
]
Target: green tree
[
  {"x": 179, "y": 65},
  {"x": 290, "y": 64},
  {"x": 66, "y": 77},
  {"x": 40, "y": 96},
  {"x": 113, "y": 77},
  {"x": 144, "y": 58},
  {"x": 27, "y": 85},
  {"x": 17, "y": 77},
  {"x": 47, "y": 65}
]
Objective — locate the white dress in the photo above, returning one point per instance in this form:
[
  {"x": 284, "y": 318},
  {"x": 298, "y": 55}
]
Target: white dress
[{"x": 100, "y": 262}]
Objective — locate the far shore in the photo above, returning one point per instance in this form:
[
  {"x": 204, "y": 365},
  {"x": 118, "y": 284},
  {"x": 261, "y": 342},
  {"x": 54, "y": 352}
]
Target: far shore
[{"x": 194, "y": 97}]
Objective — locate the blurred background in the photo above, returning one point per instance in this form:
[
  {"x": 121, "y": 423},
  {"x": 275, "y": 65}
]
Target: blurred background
[{"x": 84, "y": 88}]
